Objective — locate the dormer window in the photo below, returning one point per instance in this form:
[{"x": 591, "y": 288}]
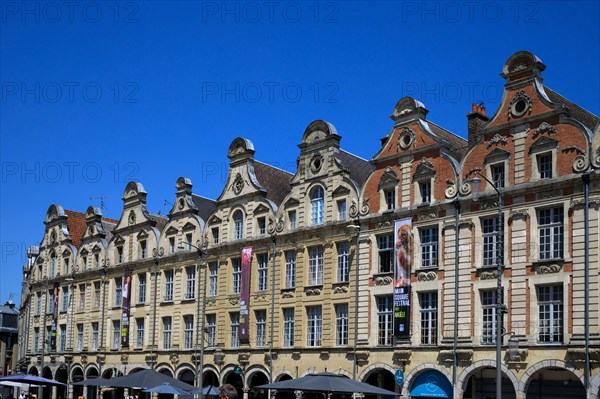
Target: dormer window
[
  {"x": 498, "y": 175},
  {"x": 390, "y": 199},
  {"x": 316, "y": 205},
  {"x": 543, "y": 155},
  {"x": 425, "y": 191},
  {"x": 215, "y": 235},
  {"x": 66, "y": 263},
  {"x": 292, "y": 219},
  {"x": 96, "y": 260},
  {"x": 53, "y": 266},
  {"x": 171, "y": 245},
  {"x": 84, "y": 262},
  {"x": 238, "y": 225},
  {"x": 341, "y": 207},
  {"x": 143, "y": 249},
  {"x": 261, "y": 225},
  {"x": 188, "y": 240},
  {"x": 544, "y": 162},
  {"x": 119, "y": 255}
]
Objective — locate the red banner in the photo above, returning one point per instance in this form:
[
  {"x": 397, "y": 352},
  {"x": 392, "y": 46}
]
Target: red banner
[
  {"x": 245, "y": 295},
  {"x": 125, "y": 309}
]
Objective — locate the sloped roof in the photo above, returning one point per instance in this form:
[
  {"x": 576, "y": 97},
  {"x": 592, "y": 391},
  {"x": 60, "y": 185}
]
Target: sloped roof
[
  {"x": 160, "y": 220},
  {"x": 276, "y": 181},
  {"x": 205, "y": 206},
  {"x": 360, "y": 169},
  {"x": 76, "y": 224},
  {"x": 457, "y": 143},
  {"x": 584, "y": 116}
]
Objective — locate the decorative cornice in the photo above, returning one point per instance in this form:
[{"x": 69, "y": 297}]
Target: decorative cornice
[
  {"x": 288, "y": 294},
  {"x": 497, "y": 139},
  {"x": 312, "y": 292},
  {"x": 489, "y": 204},
  {"x": 548, "y": 269},
  {"x": 544, "y": 127},
  {"x": 340, "y": 289},
  {"x": 426, "y": 276},
  {"x": 427, "y": 216},
  {"x": 489, "y": 275},
  {"x": 520, "y": 214},
  {"x": 549, "y": 194},
  {"x": 580, "y": 202},
  {"x": 383, "y": 280}
]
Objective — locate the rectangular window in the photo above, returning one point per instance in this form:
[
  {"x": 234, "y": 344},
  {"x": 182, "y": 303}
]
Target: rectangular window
[
  {"x": 261, "y": 328},
  {"x": 545, "y": 166},
  {"x": 139, "y": 333},
  {"x": 168, "y": 286},
  {"x": 96, "y": 260},
  {"x": 290, "y": 269},
  {"x": 94, "y": 336},
  {"x": 385, "y": 246},
  {"x": 263, "y": 269},
  {"x": 143, "y": 249},
  {"x": 48, "y": 333},
  {"x": 118, "y": 292},
  {"x": 84, "y": 262},
  {"x": 341, "y": 324},
  {"x": 188, "y": 332},
  {"x": 50, "y": 300},
  {"x": 314, "y": 327},
  {"x": 343, "y": 262},
  {"x": 429, "y": 247},
  {"x": 488, "y": 310},
  {"x": 385, "y": 319},
  {"x": 429, "y": 317},
  {"x": 36, "y": 340},
  {"x": 53, "y": 267},
  {"x": 82, "y": 297},
  {"x": 211, "y": 330},
  {"x": 171, "y": 245},
  {"x": 237, "y": 275},
  {"x": 238, "y": 226},
  {"x": 65, "y": 299},
  {"x": 262, "y": 227},
  {"x": 498, "y": 175},
  {"x": 425, "y": 191},
  {"x": 490, "y": 241},
  {"x": 292, "y": 219},
  {"x": 167, "y": 331},
  {"x": 288, "y": 327},
  {"x": 212, "y": 279},
  {"x": 215, "y": 235},
  {"x": 97, "y": 294},
  {"x": 315, "y": 266},
  {"x": 550, "y": 305},
  {"x": 62, "y": 346},
  {"x": 66, "y": 262},
  {"x": 390, "y": 199},
  {"x": 190, "y": 282},
  {"x": 551, "y": 233},
  {"x": 188, "y": 241},
  {"x": 79, "y": 337},
  {"x": 341, "y": 207},
  {"x": 119, "y": 255},
  {"x": 142, "y": 288},
  {"x": 235, "y": 330},
  {"x": 116, "y": 334},
  {"x": 38, "y": 303}
]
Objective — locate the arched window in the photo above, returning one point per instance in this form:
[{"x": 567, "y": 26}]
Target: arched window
[
  {"x": 316, "y": 205},
  {"x": 238, "y": 225}
]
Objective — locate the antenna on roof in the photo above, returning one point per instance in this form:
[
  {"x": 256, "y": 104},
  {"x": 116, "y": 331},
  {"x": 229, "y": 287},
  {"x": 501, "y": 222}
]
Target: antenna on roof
[
  {"x": 102, "y": 206},
  {"x": 165, "y": 206},
  {"x": 11, "y": 297}
]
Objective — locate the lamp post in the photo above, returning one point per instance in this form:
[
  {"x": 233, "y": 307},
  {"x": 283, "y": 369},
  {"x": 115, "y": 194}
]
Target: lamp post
[
  {"x": 499, "y": 268},
  {"x": 71, "y": 279},
  {"x": 201, "y": 251},
  {"x": 46, "y": 287},
  {"x": 355, "y": 229},
  {"x": 101, "y": 347},
  {"x": 274, "y": 242},
  {"x": 156, "y": 253}
]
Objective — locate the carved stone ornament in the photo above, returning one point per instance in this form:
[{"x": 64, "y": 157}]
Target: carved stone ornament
[
  {"x": 451, "y": 189},
  {"x": 53, "y": 237},
  {"x": 383, "y": 280},
  {"x": 518, "y": 214},
  {"x": 401, "y": 356},
  {"x": 238, "y": 184},
  {"x": 497, "y": 139},
  {"x": 544, "y": 127},
  {"x": 365, "y": 207},
  {"x": 580, "y": 202},
  {"x": 353, "y": 209},
  {"x": 426, "y": 276},
  {"x": 313, "y": 292},
  {"x": 174, "y": 358},
  {"x": 465, "y": 188},
  {"x": 580, "y": 163},
  {"x": 124, "y": 358},
  {"x": 427, "y": 216},
  {"x": 548, "y": 269},
  {"x": 288, "y": 294},
  {"x": 211, "y": 302},
  {"x": 385, "y": 223},
  {"x": 340, "y": 290},
  {"x": 234, "y": 301},
  {"x": 260, "y": 297},
  {"x": 490, "y": 204},
  {"x": 131, "y": 218},
  {"x": 406, "y": 138},
  {"x": 316, "y": 163},
  {"x": 84, "y": 359},
  {"x": 520, "y": 105},
  {"x": 549, "y": 194},
  {"x": 491, "y": 275}
]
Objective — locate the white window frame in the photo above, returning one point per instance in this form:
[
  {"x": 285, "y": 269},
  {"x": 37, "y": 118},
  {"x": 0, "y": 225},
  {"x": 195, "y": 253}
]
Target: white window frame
[
  {"x": 429, "y": 317},
  {"x": 188, "y": 332},
  {"x": 141, "y": 287},
  {"x": 385, "y": 320},
  {"x": 213, "y": 276},
  {"x": 341, "y": 208},
  {"x": 551, "y": 328},
  {"x": 261, "y": 328},
  {"x": 139, "y": 333},
  {"x": 236, "y": 281},
  {"x": 263, "y": 271},
  {"x": 385, "y": 251},
  {"x": 315, "y": 265},
  {"x": 343, "y": 262},
  {"x": 429, "y": 242},
  {"x": 288, "y": 327},
  {"x": 292, "y": 219},
  {"x": 167, "y": 323},
  {"x": 211, "y": 328},
  {"x": 290, "y": 269},
  {"x": 118, "y": 292},
  {"x": 488, "y": 317},
  {"x": 169, "y": 277},
  {"x": 190, "y": 282},
  {"x": 551, "y": 234},
  {"x": 238, "y": 225},
  {"x": 490, "y": 237},
  {"x": 341, "y": 324},
  {"x": 234, "y": 341},
  {"x": 317, "y": 205},
  {"x": 79, "y": 337},
  {"x": 95, "y": 337},
  {"x": 116, "y": 324},
  {"x": 314, "y": 328}
]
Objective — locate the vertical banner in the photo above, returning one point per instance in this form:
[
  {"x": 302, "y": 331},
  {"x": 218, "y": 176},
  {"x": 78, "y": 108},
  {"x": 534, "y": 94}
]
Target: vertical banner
[
  {"x": 125, "y": 309},
  {"x": 403, "y": 239},
  {"x": 245, "y": 294},
  {"x": 55, "y": 294}
]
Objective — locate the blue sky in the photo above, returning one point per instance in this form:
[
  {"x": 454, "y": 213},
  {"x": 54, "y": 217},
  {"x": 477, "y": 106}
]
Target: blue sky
[{"x": 94, "y": 94}]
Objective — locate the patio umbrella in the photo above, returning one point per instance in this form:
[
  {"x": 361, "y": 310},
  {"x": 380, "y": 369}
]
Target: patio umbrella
[
  {"x": 94, "y": 382},
  {"x": 147, "y": 379},
  {"x": 210, "y": 390},
  {"x": 16, "y": 384},
  {"x": 31, "y": 379},
  {"x": 329, "y": 383},
  {"x": 168, "y": 388}
]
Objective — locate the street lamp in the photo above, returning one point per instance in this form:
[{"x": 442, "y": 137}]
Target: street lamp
[
  {"x": 355, "y": 229},
  {"x": 71, "y": 279},
  {"x": 156, "y": 254},
  {"x": 201, "y": 251},
  {"x": 476, "y": 183}
]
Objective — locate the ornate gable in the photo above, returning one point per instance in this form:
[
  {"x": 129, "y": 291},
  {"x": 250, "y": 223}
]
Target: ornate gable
[
  {"x": 496, "y": 155},
  {"x": 544, "y": 143},
  {"x": 424, "y": 170},
  {"x": 388, "y": 179}
]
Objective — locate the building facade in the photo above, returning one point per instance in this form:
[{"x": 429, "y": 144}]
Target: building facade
[{"x": 287, "y": 274}]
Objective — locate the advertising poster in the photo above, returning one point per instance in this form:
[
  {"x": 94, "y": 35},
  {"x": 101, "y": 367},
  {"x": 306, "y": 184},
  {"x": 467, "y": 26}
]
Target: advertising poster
[
  {"x": 403, "y": 239},
  {"x": 245, "y": 295},
  {"x": 54, "y": 317},
  {"x": 125, "y": 309}
]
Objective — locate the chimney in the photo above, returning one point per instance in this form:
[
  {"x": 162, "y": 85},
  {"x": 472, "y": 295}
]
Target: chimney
[{"x": 475, "y": 122}]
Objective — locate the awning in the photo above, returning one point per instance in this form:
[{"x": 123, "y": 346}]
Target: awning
[{"x": 431, "y": 384}]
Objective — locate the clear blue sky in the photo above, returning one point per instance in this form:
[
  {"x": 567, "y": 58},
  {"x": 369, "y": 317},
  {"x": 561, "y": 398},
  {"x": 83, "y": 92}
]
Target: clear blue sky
[{"x": 100, "y": 93}]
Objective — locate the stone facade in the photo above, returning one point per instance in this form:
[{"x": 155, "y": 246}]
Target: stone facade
[{"x": 310, "y": 309}]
